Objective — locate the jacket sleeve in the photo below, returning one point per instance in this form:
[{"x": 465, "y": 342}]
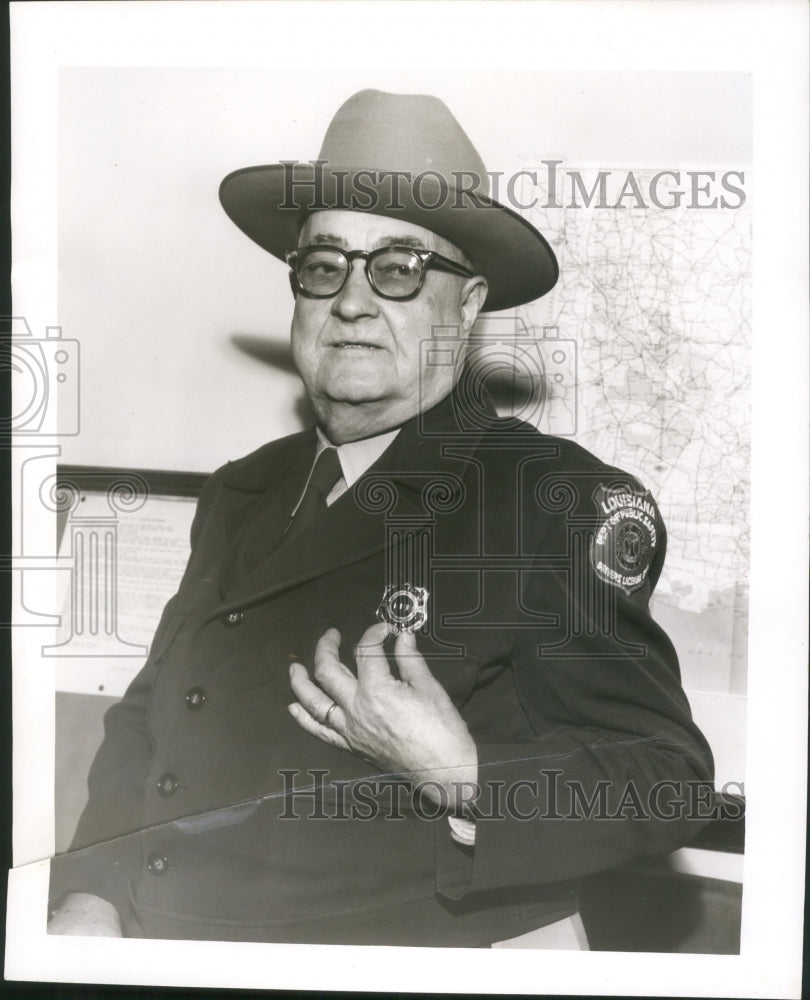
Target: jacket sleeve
[
  {"x": 616, "y": 768},
  {"x": 105, "y": 847}
]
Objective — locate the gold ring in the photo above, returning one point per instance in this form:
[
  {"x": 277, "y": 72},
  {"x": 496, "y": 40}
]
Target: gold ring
[{"x": 329, "y": 711}]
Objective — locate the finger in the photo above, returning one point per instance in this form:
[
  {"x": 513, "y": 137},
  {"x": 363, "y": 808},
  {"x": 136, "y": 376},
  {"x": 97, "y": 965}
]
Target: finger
[
  {"x": 412, "y": 666},
  {"x": 314, "y": 700},
  {"x": 324, "y": 733},
  {"x": 369, "y": 655},
  {"x": 332, "y": 675}
]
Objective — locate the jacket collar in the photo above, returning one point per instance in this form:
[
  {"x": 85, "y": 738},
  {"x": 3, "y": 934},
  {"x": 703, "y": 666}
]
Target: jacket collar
[
  {"x": 258, "y": 471},
  {"x": 411, "y": 480}
]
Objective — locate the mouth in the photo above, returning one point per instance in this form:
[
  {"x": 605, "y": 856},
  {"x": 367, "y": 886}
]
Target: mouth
[{"x": 355, "y": 345}]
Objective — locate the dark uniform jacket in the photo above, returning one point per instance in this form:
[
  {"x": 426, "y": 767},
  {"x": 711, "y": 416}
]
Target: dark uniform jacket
[{"x": 213, "y": 815}]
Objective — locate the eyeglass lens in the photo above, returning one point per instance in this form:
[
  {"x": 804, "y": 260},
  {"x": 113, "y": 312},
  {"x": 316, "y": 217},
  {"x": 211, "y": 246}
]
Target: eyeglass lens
[{"x": 394, "y": 272}]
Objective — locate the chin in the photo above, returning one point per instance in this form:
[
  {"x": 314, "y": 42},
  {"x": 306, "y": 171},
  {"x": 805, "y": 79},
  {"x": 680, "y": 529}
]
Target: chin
[{"x": 355, "y": 390}]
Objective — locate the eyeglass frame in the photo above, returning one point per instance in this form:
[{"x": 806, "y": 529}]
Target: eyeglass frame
[{"x": 427, "y": 259}]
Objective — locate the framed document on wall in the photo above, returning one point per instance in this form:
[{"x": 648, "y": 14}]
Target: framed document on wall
[{"x": 123, "y": 544}]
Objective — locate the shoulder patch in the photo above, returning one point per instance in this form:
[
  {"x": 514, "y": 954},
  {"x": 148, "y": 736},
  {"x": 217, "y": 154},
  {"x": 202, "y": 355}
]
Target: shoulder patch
[{"x": 624, "y": 543}]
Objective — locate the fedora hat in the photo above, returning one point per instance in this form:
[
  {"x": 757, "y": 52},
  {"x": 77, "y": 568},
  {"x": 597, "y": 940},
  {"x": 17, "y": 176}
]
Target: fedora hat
[{"x": 405, "y": 156}]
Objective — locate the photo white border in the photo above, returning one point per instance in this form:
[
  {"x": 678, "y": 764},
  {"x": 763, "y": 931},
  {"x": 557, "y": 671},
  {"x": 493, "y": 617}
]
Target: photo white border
[{"x": 765, "y": 39}]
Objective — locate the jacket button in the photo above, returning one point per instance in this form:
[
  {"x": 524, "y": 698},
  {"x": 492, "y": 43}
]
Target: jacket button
[
  {"x": 157, "y": 864},
  {"x": 195, "y": 698},
  {"x": 234, "y": 618},
  {"x": 167, "y": 784}
]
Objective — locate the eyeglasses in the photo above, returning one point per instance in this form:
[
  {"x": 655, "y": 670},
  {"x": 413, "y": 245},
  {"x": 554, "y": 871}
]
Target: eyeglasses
[{"x": 319, "y": 272}]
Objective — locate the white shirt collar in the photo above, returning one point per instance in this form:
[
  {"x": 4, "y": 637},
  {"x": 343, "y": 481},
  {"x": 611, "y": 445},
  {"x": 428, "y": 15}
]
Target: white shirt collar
[{"x": 357, "y": 456}]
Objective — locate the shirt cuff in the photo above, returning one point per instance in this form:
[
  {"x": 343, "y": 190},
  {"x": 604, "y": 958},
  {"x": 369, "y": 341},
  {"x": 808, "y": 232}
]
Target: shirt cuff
[{"x": 462, "y": 830}]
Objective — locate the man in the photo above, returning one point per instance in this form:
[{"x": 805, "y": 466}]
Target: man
[{"x": 409, "y": 690}]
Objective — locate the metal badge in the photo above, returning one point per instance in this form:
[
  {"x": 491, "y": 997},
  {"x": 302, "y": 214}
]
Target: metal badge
[{"x": 403, "y": 608}]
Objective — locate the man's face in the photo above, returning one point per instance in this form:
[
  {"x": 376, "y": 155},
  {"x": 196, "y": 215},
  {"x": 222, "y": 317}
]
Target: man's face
[{"x": 359, "y": 354}]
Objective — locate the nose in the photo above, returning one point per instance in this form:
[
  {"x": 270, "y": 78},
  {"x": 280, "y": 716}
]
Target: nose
[{"x": 357, "y": 298}]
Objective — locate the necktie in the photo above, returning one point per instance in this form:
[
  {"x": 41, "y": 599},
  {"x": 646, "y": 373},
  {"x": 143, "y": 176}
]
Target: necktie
[{"x": 325, "y": 473}]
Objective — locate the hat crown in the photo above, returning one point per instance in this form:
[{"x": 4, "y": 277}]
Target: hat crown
[{"x": 403, "y": 132}]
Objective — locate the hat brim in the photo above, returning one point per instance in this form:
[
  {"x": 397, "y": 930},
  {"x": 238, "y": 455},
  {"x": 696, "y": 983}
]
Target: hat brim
[{"x": 508, "y": 251}]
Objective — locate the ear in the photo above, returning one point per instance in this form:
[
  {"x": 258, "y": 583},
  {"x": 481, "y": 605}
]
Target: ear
[{"x": 471, "y": 302}]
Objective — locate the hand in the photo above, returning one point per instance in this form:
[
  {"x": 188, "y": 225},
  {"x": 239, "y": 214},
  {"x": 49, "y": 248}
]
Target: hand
[
  {"x": 85, "y": 914},
  {"x": 407, "y": 726}
]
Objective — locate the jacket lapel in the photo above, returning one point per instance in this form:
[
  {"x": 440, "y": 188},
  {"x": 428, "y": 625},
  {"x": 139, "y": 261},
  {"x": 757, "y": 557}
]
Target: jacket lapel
[{"x": 262, "y": 497}]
